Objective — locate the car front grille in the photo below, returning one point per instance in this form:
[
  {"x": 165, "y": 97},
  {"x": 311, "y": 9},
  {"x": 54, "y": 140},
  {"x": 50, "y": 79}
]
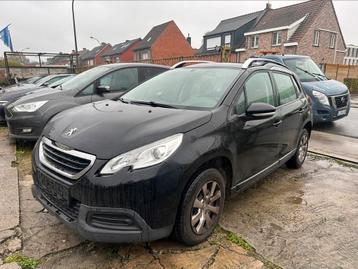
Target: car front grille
[
  {"x": 340, "y": 101},
  {"x": 66, "y": 162}
]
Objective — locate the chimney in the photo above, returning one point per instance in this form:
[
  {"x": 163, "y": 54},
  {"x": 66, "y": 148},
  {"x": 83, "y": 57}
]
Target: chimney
[
  {"x": 268, "y": 5},
  {"x": 84, "y": 49},
  {"x": 189, "y": 39},
  {"x": 103, "y": 43}
]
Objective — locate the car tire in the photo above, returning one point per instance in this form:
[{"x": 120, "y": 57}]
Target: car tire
[
  {"x": 298, "y": 159},
  {"x": 199, "y": 214}
]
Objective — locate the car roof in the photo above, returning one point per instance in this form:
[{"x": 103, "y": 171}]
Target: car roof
[
  {"x": 289, "y": 56},
  {"x": 216, "y": 65},
  {"x": 123, "y": 65}
]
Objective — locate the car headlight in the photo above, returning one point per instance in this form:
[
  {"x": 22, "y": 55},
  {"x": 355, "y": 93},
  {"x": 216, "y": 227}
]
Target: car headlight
[
  {"x": 3, "y": 103},
  {"x": 29, "y": 107},
  {"x": 145, "y": 156},
  {"x": 322, "y": 98}
]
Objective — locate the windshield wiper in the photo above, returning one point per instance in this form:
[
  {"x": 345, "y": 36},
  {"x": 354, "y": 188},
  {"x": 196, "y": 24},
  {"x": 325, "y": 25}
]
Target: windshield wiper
[
  {"x": 123, "y": 101},
  {"x": 151, "y": 103},
  {"x": 312, "y": 74}
]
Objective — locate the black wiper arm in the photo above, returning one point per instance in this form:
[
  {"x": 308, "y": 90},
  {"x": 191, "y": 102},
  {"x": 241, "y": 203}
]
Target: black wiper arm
[
  {"x": 304, "y": 70},
  {"x": 123, "y": 101},
  {"x": 151, "y": 103}
]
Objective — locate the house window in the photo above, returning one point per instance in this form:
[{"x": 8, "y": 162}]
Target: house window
[
  {"x": 143, "y": 55},
  {"x": 117, "y": 60},
  {"x": 316, "y": 38},
  {"x": 276, "y": 38},
  {"x": 228, "y": 40},
  {"x": 332, "y": 40},
  {"x": 213, "y": 42},
  {"x": 255, "y": 41}
]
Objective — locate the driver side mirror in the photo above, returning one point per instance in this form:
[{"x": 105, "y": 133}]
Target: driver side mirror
[
  {"x": 258, "y": 111},
  {"x": 101, "y": 89}
]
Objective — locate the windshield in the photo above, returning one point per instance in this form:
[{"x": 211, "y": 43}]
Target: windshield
[
  {"x": 60, "y": 81},
  {"x": 32, "y": 80},
  {"x": 85, "y": 78},
  {"x": 305, "y": 69},
  {"x": 193, "y": 88},
  {"x": 42, "y": 80}
]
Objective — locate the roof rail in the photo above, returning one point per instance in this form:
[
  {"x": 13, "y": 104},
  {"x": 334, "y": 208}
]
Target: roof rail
[
  {"x": 250, "y": 62},
  {"x": 182, "y": 63}
]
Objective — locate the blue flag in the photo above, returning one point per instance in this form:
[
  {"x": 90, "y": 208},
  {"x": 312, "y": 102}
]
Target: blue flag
[{"x": 5, "y": 37}]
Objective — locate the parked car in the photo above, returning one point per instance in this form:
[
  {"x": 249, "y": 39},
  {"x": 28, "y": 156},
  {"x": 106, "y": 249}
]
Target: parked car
[
  {"x": 32, "y": 80},
  {"x": 163, "y": 158},
  {"x": 27, "y": 116},
  {"x": 330, "y": 98},
  {"x": 11, "y": 96},
  {"x": 42, "y": 82}
]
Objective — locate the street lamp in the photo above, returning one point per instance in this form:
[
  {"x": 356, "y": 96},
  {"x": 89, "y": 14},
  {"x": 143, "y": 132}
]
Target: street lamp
[
  {"x": 74, "y": 31},
  {"x": 92, "y": 37}
]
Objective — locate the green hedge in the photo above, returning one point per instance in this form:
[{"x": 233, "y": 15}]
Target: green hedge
[{"x": 352, "y": 84}]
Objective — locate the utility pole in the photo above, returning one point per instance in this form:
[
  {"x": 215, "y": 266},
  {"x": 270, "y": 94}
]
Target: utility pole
[{"x": 74, "y": 31}]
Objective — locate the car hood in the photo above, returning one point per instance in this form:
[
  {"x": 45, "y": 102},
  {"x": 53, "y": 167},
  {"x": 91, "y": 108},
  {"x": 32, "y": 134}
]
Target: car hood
[
  {"x": 328, "y": 87},
  {"x": 109, "y": 128},
  {"x": 20, "y": 87},
  {"x": 44, "y": 94},
  {"x": 18, "y": 92}
]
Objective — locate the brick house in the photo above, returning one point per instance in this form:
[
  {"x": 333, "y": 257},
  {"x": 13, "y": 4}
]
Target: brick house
[
  {"x": 122, "y": 52},
  {"x": 94, "y": 56},
  {"x": 229, "y": 32},
  {"x": 163, "y": 41},
  {"x": 309, "y": 28}
]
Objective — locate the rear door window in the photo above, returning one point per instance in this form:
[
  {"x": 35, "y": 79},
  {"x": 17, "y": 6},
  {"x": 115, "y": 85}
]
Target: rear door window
[
  {"x": 286, "y": 89},
  {"x": 149, "y": 72}
]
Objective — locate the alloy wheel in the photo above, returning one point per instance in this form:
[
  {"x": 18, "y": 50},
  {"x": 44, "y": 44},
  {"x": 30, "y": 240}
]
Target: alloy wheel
[
  {"x": 303, "y": 148},
  {"x": 206, "y": 207}
]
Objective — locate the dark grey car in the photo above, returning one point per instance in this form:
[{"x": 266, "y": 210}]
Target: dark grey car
[{"x": 27, "y": 116}]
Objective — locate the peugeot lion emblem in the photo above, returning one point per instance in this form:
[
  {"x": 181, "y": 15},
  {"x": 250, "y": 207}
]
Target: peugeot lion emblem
[
  {"x": 342, "y": 99},
  {"x": 70, "y": 131}
]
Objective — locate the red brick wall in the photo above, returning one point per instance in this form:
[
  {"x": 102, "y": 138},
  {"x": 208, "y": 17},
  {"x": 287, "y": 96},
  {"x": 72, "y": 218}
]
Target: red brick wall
[
  {"x": 128, "y": 55},
  {"x": 264, "y": 45},
  {"x": 326, "y": 19},
  {"x": 99, "y": 59},
  {"x": 171, "y": 43}
]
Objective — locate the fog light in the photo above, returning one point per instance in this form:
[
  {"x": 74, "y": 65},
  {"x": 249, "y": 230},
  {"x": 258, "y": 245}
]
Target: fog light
[{"x": 26, "y": 130}]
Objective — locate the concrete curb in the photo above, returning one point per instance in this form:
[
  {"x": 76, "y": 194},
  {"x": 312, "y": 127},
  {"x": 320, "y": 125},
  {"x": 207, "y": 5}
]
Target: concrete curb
[
  {"x": 336, "y": 157},
  {"x": 9, "y": 185}
]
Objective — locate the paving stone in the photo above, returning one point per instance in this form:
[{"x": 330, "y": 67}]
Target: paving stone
[
  {"x": 12, "y": 265},
  {"x": 6, "y": 234},
  {"x": 14, "y": 245},
  {"x": 228, "y": 259}
]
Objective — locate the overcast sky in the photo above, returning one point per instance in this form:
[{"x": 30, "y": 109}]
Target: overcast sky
[{"x": 47, "y": 25}]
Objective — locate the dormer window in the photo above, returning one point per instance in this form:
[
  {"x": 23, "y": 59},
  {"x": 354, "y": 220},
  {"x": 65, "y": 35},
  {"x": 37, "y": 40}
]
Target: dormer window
[
  {"x": 227, "y": 39},
  {"x": 212, "y": 43}
]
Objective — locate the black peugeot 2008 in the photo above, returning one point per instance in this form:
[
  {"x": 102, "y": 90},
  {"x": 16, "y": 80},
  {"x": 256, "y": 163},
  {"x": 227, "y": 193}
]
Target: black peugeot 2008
[{"x": 164, "y": 157}]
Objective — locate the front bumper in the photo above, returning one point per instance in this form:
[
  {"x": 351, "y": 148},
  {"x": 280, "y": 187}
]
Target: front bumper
[
  {"x": 130, "y": 206},
  {"x": 324, "y": 113},
  {"x": 130, "y": 227},
  {"x": 20, "y": 123}
]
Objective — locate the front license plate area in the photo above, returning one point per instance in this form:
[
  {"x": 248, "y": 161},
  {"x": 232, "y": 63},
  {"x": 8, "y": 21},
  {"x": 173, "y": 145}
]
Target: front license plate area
[
  {"x": 54, "y": 190},
  {"x": 341, "y": 113}
]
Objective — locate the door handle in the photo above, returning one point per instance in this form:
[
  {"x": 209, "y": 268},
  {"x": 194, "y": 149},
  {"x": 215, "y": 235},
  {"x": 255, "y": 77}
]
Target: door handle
[
  {"x": 277, "y": 123},
  {"x": 301, "y": 110}
]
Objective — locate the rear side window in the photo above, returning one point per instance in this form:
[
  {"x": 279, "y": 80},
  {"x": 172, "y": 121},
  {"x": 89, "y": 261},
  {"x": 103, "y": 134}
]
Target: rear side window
[
  {"x": 258, "y": 89},
  {"x": 149, "y": 72},
  {"x": 286, "y": 89}
]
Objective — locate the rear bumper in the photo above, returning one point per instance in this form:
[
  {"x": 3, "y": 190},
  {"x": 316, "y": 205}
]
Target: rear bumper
[{"x": 138, "y": 231}]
